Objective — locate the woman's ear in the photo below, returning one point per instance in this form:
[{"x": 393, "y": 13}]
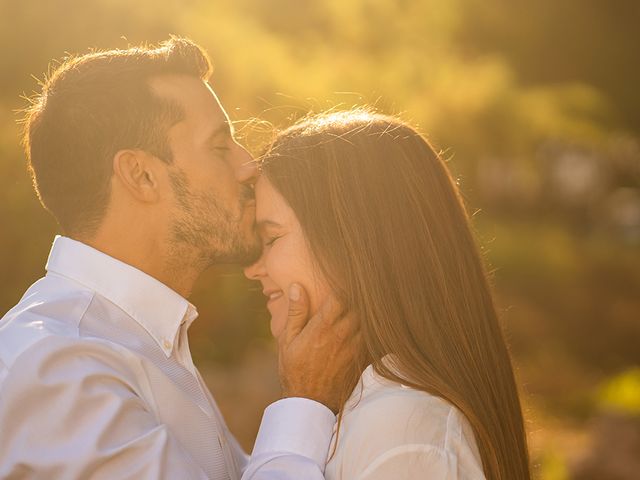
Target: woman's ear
[{"x": 137, "y": 171}]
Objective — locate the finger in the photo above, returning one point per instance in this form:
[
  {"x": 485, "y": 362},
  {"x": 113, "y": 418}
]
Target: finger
[
  {"x": 329, "y": 313},
  {"x": 350, "y": 323},
  {"x": 342, "y": 333},
  {"x": 298, "y": 313}
]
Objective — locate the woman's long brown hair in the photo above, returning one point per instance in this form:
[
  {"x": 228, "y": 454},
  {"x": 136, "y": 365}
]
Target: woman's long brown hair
[{"x": 388, "y": 229}]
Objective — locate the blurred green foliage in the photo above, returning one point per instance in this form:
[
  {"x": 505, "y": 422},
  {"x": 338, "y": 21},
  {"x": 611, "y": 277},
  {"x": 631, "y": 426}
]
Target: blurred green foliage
[
  {"x": 535, "y": 105},
  {"x": 553, "y": 467},
  {"x": 622, "y": 393}
]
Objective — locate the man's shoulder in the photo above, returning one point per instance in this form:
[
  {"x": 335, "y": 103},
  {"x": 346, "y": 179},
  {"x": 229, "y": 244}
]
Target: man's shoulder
[{"x": 51, "y": 308}]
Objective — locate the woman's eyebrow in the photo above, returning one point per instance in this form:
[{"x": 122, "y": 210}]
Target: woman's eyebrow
[{"x": 262, "y": 224}]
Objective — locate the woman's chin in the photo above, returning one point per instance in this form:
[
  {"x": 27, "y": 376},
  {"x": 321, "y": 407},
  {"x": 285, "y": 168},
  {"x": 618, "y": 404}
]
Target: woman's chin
[
  {"x": 278, "y": 319},
  {"x": 277, "y": 326}
]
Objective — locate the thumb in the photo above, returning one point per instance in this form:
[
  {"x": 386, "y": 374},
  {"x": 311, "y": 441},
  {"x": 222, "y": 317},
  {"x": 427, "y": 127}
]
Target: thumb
[{"x": 298, "y": 314}]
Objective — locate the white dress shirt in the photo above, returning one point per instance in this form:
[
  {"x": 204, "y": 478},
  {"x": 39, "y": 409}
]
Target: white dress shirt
[
  {"x": 97, "y": 381},
  {"x": 390, "y": 431}
]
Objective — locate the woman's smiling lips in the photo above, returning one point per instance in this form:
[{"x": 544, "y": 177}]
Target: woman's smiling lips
[{"x": 272, "y": 295}]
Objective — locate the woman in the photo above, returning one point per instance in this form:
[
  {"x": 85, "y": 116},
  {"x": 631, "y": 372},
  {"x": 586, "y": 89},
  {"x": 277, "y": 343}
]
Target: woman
[{"x": 358, "y": 205}]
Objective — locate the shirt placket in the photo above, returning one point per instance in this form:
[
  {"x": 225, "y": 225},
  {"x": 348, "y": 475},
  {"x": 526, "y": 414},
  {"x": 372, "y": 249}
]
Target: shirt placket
[{"x": 183, "y": 355}]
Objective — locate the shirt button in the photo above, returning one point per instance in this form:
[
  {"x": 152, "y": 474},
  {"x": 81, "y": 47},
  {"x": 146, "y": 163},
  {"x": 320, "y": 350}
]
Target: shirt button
[{"x": 167, "y": 344}]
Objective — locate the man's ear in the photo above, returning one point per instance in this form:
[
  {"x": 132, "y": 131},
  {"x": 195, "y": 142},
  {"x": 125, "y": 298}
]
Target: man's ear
[{"x": 137, "y": 171}]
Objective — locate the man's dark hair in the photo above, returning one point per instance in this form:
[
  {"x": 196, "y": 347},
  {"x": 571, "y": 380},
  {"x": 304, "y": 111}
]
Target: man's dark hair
[{"x": 91, "y": 107}]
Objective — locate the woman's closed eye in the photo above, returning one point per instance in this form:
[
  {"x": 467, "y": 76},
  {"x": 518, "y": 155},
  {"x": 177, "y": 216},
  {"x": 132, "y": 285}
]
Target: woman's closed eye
[{"x": 270, "y": 240}]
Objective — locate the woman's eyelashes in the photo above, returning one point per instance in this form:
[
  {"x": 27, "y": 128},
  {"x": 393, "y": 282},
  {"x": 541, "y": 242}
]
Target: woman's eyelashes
[{"x": 270, "y": 240}]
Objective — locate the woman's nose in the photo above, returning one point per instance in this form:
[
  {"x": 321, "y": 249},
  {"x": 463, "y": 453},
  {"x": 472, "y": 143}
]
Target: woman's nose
[{"x": 255, "y": 271}]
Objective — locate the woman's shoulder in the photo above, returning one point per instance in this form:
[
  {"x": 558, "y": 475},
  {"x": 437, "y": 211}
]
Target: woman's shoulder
[
  {"x": 379, "y": 404},
  {"x": 384, "y": 419}
]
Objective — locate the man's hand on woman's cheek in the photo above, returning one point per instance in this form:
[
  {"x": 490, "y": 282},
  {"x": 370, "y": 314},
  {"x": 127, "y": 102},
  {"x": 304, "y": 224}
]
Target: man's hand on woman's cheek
[{"x": 316, "y": 355}]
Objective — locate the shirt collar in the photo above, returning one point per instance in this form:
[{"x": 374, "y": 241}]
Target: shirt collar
[{"x": 157, "y": 308}]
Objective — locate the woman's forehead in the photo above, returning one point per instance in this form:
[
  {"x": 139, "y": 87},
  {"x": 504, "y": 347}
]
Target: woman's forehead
[{"x": 271, "y": 207}]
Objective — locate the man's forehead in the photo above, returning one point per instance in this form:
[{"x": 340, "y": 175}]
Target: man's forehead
[
  {"x": 197, "y": 98},
  {"x": 186, "y": 90},
  {"x": 225, "y": 118},
  {"x": 173, "y": 85}
]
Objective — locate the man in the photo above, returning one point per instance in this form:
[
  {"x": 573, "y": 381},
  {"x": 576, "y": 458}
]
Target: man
[{"x": 133, "y": 154}]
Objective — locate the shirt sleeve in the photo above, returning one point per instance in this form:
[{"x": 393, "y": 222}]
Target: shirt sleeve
[
  {"x": 293, "y": 441},
  {"x": 71, "y": 409}
]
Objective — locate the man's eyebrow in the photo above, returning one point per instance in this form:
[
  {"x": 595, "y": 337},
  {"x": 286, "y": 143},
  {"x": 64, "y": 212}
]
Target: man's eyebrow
[{"x": 262, "y": 224}]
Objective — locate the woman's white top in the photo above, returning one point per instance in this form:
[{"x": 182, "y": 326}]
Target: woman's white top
[{"x": 393, "y": 432}]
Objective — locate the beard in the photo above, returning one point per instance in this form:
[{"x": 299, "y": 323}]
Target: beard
[{"x": 207, "y": 232}]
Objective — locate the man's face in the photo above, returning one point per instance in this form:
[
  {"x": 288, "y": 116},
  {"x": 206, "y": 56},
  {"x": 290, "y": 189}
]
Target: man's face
[{"x": 213, "y": 216}]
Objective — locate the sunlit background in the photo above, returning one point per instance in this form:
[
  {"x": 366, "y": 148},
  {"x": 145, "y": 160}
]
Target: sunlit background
[{"x": 535, "y": 104}]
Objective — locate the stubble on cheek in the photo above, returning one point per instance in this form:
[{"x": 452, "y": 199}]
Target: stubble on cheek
[{"x": 214, "y": 232}]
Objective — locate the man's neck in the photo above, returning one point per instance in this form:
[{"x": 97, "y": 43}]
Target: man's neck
[{"x": 150, "y": 257}]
